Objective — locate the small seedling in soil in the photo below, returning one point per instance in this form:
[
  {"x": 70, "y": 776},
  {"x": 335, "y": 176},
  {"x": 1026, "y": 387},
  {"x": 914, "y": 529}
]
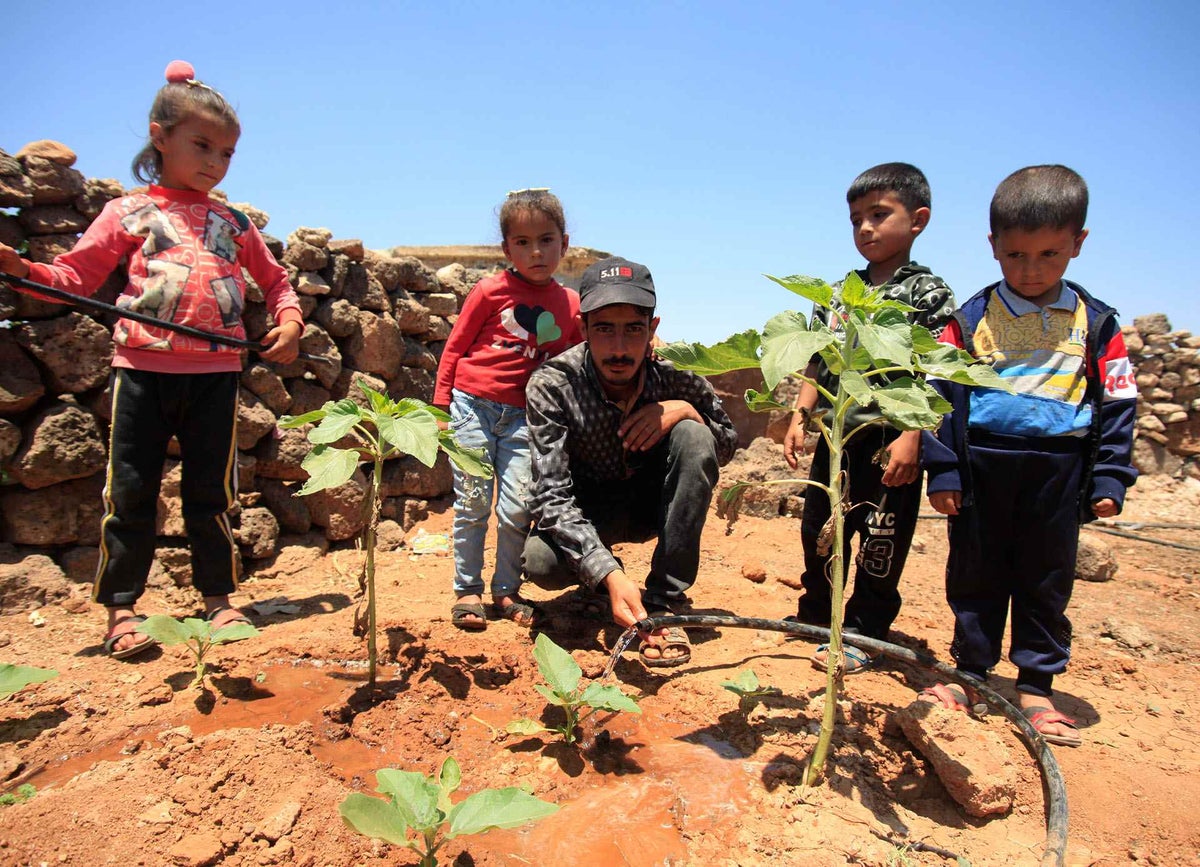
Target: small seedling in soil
[
  {"x": 748, "y": 690},
  {"x": 196, "y": 633},
  {"x": 384, "y": 430},
  {"x": 23, "y": 793},
  {"x": 14, "y": 678},
  {"x": 419, "y": 814},
  {"x": 562, "y": 675}
]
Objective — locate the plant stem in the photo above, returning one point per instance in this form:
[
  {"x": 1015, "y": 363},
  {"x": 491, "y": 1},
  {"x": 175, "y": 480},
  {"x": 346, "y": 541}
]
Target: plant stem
[
  {"x": 369, "y": 544},
  {"x": 837, "y": 572}
]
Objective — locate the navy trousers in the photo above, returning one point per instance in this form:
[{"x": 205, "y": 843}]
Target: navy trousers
[{"x": 1016, "y": 545}]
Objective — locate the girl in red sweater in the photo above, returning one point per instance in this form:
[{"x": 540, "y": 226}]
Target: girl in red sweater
[
  {"x": 185, "y": 253},
  {"x": 510, "y": 323}
]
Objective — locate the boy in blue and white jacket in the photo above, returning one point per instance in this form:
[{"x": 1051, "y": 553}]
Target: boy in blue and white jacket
[{"x": 1018, "y": 472}]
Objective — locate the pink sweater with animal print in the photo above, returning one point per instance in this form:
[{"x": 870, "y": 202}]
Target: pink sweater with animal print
[{"x": 185, "y": 253}]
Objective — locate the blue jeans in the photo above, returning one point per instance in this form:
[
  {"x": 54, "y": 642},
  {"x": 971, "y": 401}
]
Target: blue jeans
[{"x": 500, "y": 430}]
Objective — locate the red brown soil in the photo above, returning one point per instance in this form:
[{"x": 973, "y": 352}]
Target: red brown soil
[{"x": 133, "y": 766}]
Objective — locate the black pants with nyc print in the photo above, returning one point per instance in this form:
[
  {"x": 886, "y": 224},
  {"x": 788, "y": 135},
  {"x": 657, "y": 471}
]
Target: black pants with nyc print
[{"x": 200, "y": 410}]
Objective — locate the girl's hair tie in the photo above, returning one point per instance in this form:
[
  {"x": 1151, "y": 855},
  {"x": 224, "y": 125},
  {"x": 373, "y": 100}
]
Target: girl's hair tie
[
  {"x": 180, "y": 72},
  {"x": 512, "y": 193}
]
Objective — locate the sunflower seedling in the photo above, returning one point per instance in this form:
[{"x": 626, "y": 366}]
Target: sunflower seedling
[
  {"x": 23, "y": 793},
  {"x": 196, "y": 634},
  {"x": 749, "y": 691},
  {"x": 419, "y": 815},
  {"x": 14, "y": 678},
  {"x": 562, "y": 689}
]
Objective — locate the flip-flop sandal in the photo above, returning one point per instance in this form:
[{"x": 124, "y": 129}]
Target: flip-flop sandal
[
  {"x": 111, "y": 639},
  {"x": 212, "y": 616},
  {"x": 1041, "y": 716},
  {"x": 675, "y": 637},
  {"x": 953, "y": 697},
  {"x": 464, "y": 614},
  {"x": 854, "y": 661},
  {"x": 521, "y": 612}
]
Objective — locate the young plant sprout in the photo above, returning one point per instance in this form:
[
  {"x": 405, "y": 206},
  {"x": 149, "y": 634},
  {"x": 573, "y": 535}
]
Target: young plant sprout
[
  {"x": 562, "y": 689},
  {"x": 880, "y": 358},
  {"x": 197, "y": 634},
  {"x": 420, "y": 816},
  {"x": 385, "y": 429},
  {"x": 748, "y": 690}
]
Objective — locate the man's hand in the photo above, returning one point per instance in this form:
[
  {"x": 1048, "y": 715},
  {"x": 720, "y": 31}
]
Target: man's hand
[
  {"x": 1105, "y": 508},
  {"x": 627, "y": 608},
  {"x": 903, "y": 459},
  {"x": 946, "y": 502},
  {"x": 794, "y": 441},
  {"x": 645, "y": 428},
  {"x": 282, "y": 342}
]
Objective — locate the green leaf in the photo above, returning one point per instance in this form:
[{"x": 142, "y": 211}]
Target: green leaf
[
  {"x": 340, "y": 418},
  {"x": 289, "y": 421},
  {"x": 739, "y": 352},
  {"x": 168, "y": 631},
  {"x": 496, "y": 808},
  {"x": 746, "y": 681},
  {"x": 608, "y": 698},
  {"x": 556, "y": 665},
  {"x": 327, "y": 467},
  {"x": 14, "y": 678},
  {"x": 449, "y": 779},
  {"x": 233, "y": 632},
  {"x": 788, "y": 345},
  {"x": 763, "y": 401},
  {"x": 439, "y": 414},
  {"x": 910, "y": 405},
  {"x": 889, "y": 343},
  {"x": 414, "y": 795},
  {"x": 956, "y": 365},
  {"x": 414, "y": 434},
  {"x": 525, "y": 726},
  {"x": 471, "y": 461},
  {"x": 374, "y": 818},
  {"x": 854, "y": 293},
  {"x": 857, "y": 388},
  {"x": 380, "y": 403},
  {"x": 560, "y": 700},
  {"x": 923, "y": 341},
  {"x": 814, "y": 289}
]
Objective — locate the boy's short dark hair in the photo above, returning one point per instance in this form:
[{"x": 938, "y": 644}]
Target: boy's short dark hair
[
  {"x": 907, "y": 181},
  {"x": 1039, "y": 197}
]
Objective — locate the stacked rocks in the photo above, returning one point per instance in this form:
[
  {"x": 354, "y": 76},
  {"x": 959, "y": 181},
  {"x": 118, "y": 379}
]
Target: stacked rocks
[
  {"x": 377, "y": 318},
  {"x": 1167, "y": 367}
]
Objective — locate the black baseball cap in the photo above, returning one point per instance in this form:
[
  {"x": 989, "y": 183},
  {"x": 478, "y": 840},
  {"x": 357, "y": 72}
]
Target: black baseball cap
[{"x": 615, "y": 281}]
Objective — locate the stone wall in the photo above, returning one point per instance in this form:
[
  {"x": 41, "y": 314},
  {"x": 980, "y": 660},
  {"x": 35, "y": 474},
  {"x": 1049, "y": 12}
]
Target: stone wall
[
  {"x": 381, "y": 317},
  {"x": 1168, "y": 379}
]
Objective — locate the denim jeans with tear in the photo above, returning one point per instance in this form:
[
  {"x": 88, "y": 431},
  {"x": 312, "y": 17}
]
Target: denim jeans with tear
[{"x": 500, "y": 430}]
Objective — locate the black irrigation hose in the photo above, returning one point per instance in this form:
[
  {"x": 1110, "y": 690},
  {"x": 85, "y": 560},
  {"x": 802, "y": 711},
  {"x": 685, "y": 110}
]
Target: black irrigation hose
[
  {"x": 1054, "y": 786},
  {"x": 145, "y": 319}
]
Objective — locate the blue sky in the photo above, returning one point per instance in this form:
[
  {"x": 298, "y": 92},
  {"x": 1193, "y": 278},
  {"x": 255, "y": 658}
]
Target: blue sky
[{"x": 711, "y": 141}]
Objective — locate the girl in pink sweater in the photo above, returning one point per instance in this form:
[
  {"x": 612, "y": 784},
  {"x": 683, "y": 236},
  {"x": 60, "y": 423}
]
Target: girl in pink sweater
[{"x": 185, "y": 253}]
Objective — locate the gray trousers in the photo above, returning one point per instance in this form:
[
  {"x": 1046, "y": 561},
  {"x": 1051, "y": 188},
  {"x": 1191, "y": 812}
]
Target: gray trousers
[{"x": 666, "y": 497}]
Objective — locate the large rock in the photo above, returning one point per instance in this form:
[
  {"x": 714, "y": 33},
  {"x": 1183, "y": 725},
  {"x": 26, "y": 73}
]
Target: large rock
[
  {"x": 169, "y": 517},
  {"x": 10, "y": 439},
  {"x": 29, "y": 582},
  {"x": 348, "y": 383},
  {"x": 52, "y": 183},
  {"x": 417, "y": 354},
  {"x": 337, "y": 316},
  {"x": 1152, "y": 323},
  {"x": 440, "y": 303},
  {"x": 58, "y": 515},
  {"x": 763, "y": 461},
  {"x": 52, "y": 220},
  {"x": 408, "y": 477},
  {"x": 412, "y": 382},
  {"x": 412, "y": 316},
  {"x": 315, "y": 341},
  {"x": 15, "y": 189},
  {"x": 62, "y": 442},
  {"x": 97, "y": 192},
  {"x": 972, "y": 762},
  {"x": 731, "y": 388},
  {"x": 20, "y": 384},
  {"x": 375, "y": 347},
  {"x": 290, "y": 511},
  {"x": 1095, "y": 560},
  {"x": 75, "y": 350},
  {"x": 265, "y": 384},
  {"x": 258, "y": 533},
  {"x": 304, "y": 256},
  {"x": 307, "y": 395},
  {"x": 342, "y": 510},
  {"x": 48, "y": 149},
  {"x": 363, "y": 289},
  {"x": 254, "y": 419},
  {"x": 279, "y": 455}
]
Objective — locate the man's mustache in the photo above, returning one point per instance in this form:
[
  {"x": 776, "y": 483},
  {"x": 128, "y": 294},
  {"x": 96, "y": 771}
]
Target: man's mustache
[{"x": 620, "y": 359}]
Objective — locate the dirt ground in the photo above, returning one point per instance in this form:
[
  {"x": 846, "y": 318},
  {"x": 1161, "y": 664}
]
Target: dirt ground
[{"x": 133, "y": 766}]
